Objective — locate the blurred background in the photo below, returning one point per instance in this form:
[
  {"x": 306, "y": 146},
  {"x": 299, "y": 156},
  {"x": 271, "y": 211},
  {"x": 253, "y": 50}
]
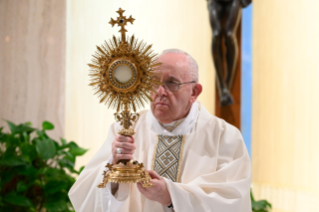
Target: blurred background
[{"x": 47, "y": 44}]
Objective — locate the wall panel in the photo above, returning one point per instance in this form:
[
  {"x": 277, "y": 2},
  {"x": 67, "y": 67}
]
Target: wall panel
[
  {"x": 32, "y": 62},
  {"x": 285, "y": 135}
]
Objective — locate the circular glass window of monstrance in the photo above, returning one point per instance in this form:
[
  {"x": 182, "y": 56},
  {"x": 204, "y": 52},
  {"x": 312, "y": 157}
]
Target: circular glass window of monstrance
[{"x": 123, "y": 74}]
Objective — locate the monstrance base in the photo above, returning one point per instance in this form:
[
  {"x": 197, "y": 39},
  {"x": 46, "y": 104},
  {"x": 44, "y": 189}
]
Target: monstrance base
[{"x": 131, "y": 172}]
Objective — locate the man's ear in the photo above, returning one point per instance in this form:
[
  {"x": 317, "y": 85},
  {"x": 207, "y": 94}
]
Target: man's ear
[{"x": 197, "y": 89}]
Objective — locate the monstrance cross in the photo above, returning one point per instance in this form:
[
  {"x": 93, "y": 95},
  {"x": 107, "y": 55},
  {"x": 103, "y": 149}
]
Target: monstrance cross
[{"x": 122, "y": 21}]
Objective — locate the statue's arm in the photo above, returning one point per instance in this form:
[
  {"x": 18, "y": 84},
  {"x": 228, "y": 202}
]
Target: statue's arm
[{"x": 245, "y": 3}]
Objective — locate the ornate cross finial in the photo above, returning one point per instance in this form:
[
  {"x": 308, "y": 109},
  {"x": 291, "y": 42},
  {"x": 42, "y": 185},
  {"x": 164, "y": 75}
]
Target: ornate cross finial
[{"x": 122, "y": 21}]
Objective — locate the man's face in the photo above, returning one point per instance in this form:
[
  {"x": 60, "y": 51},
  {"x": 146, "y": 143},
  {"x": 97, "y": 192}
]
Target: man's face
[{"x": 169, "y": 106}]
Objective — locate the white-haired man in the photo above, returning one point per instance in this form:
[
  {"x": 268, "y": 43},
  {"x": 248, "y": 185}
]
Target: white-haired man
[{"x": 197, "y": 162}]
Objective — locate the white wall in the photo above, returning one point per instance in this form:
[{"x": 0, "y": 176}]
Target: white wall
[
  {"x": 32, "y": 62},
  {"x": 285, "y": 137}
]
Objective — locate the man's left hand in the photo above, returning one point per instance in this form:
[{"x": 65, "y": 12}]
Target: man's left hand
[{"x": 158, "y": 192}]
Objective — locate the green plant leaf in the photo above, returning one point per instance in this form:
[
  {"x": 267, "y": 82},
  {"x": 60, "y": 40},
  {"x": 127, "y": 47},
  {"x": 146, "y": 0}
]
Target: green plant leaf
[
  {"x": 5, "y": 207},
  {"x": 27, "y": 170},
  {"x": 259, "y": 206},
  {"x": 63, "y": 141},
  {"x": 57, "y": 145},
  {"x": 252, "y": 196},
  {"x": 26, "y": 137},
  {"x": 12, "y": 161},
  {"x": 69, "y": 156},
  {"x": 61, "y": 152},
  {"x": 56, "y": 206},
  {"x": 24, "y": 128},
  {"x": 37, "y": 182},
  {"x": 81, "y": 169},
  {"x": 12, "y": 127},
  {"x": 6, "y": 176},
  {"x": 2, "y": 136},
  {"x": 45, "y": 148},
  {"x": 72, "y": 144},
  {"x": 20, "y": 128},
  {"x": 63, "y": 147},
  {"x": 77, "y": 151},
  {"x": 15, "y": 199},
  {"x": 21, "y": 186},
  {"x": 54, "y": 186},
  {"x": 12, "y": 141},
  {"x": 66, "y": 163},
  {"x": 29, "y": 152},
  {"x": 52, "y": 172},
  {"x": 47, "y": 125},
  {"x": 28, "y": 124},
  {"x": 42, "y": 134}
]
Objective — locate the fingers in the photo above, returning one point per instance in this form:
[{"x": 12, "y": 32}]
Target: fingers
[
  {"x": 146, "y": 191},
  {"x": 124, "y": 142},
  {"x": 123, "y": 157},
  {"x": 154, "y": 174},
  {"x": 124, "y": 151},
  {"x": 127, "y": 146},
  {"x": 122, "y": 138},
  {"x": 124, "y": 145},
  {"x": 141, "y": 188},
  {"x": 118, "y": 157}
]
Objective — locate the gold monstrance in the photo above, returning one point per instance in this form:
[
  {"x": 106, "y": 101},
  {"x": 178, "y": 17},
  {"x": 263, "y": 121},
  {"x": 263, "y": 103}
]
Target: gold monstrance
[{"x": 122, "y": 73}]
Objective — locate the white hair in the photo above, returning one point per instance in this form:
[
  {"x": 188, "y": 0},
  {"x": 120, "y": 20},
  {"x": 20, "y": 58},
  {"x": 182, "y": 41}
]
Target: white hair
[{"x": 193, "y": 67}]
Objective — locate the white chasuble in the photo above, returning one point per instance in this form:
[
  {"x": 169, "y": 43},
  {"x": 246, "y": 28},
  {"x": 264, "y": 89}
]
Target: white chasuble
[{"x": 204, "y": 162}]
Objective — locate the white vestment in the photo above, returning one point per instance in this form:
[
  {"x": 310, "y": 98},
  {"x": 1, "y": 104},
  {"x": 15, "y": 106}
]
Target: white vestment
[{"x": 215, "y": 169}]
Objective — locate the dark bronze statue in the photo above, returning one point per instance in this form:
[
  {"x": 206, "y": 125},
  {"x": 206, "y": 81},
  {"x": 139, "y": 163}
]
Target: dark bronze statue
[{"x": 224, "y": 16}]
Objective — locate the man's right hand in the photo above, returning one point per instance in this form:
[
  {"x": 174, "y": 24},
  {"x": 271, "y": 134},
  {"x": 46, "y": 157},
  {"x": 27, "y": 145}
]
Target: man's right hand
[{"x": 127, "y": 146}]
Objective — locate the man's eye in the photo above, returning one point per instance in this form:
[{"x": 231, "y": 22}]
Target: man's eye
[{"x": 172, "y": 82}]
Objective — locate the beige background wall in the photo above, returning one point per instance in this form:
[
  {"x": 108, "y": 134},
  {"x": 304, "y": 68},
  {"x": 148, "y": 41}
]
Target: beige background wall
[
  {"x": 285, "y": 138},
  {"x": 32, "y": 62},
  {"x": 166, "y": 24}
]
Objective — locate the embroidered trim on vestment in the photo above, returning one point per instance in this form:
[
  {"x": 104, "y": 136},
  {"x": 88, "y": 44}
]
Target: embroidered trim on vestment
[{"x": 168, "y": 154}]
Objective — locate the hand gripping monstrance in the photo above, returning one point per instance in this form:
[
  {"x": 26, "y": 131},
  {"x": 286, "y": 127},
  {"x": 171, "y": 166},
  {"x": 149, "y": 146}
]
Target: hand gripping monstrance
[{"x": 122, "y": 74}]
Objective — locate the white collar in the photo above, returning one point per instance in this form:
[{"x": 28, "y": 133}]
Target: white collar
[{"x": 184, "y": 128}]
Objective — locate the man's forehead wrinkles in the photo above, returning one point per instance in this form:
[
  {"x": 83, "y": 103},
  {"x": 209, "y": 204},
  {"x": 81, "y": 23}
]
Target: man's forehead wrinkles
[
  {"x": 171, "y": 75},
  {"x": 177, "y": 68},
  {"x": 174, "y": 65},
  {"x": 166, "y": 66}
]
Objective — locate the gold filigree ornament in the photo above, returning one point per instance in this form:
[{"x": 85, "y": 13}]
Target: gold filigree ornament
[{"x": 122, "y": 73}]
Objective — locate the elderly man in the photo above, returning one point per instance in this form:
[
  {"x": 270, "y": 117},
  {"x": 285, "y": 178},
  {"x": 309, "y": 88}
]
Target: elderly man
[{"x": 197, "y": 162}]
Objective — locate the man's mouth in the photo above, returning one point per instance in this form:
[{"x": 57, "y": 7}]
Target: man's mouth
[{"x": 161, "y": 104}]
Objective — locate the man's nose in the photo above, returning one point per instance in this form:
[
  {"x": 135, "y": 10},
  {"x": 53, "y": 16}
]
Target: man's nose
[{"x": 161, "y": 90}]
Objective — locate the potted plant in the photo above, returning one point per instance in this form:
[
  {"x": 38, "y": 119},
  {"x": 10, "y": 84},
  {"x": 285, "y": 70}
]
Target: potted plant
[{"x": 36, "y": 172}]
